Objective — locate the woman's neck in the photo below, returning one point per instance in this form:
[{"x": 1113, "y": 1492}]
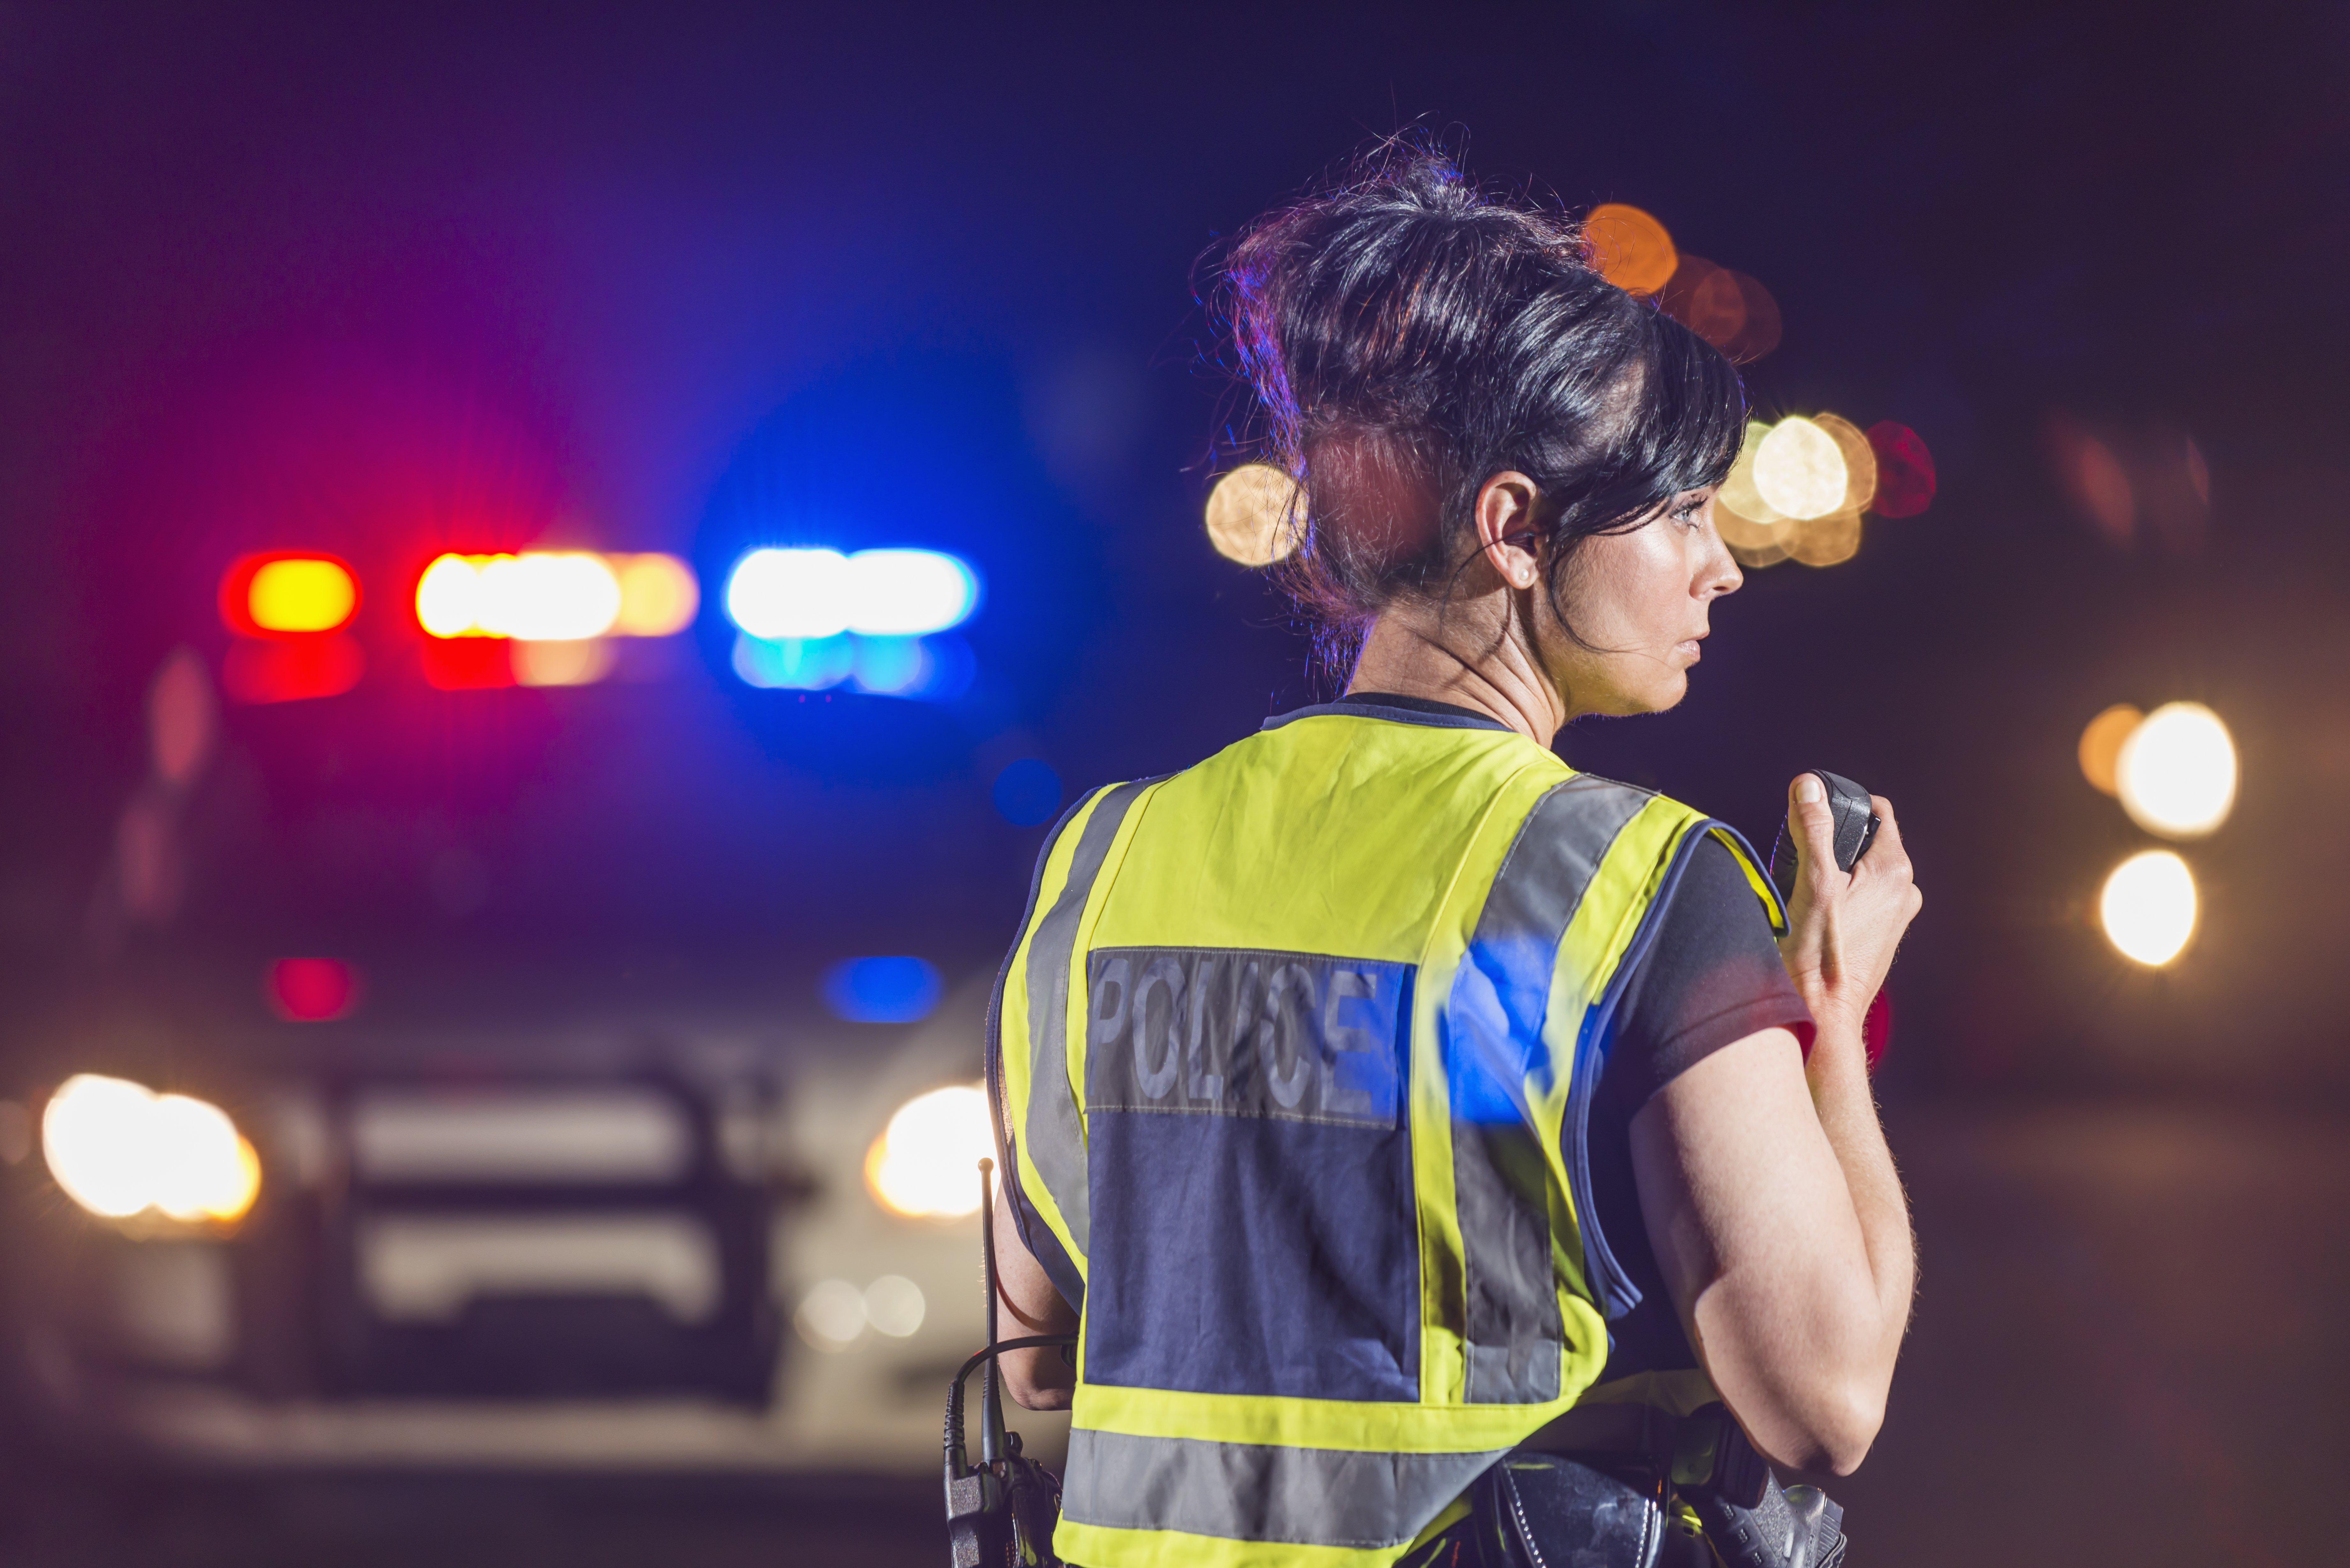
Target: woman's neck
[{"x": 1468, "y": 658}]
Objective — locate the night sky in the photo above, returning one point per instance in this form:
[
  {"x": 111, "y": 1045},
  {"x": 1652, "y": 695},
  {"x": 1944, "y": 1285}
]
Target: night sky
[{"x": 386, "y": 282}]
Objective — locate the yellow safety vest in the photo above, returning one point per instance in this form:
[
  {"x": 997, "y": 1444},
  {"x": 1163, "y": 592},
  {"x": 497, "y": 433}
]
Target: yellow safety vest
[{"x": 1293, "y": 1061}]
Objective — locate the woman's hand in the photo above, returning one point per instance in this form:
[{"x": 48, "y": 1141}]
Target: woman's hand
[{"x": 1843, "y": 927}]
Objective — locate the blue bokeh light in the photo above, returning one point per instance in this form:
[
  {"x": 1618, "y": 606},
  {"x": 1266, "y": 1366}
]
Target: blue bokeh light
[
  {"x": 889, "y": 665},
  {"x": 1027, "y": 791},
  {"x": 795, "y": 663},
  {"x": 899, "y": 989},
  {"x": 926, "y": 668},
  {"x": 940, "y": 426}
]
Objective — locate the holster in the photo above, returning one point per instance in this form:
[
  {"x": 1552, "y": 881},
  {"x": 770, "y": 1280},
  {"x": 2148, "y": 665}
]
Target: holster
[
  {"x": 1621, "y": 1486},
  {"x": 1543, "y": 1510}
]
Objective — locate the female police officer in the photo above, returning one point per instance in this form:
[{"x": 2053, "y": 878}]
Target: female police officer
[{"x": 1381, "y": 1095}]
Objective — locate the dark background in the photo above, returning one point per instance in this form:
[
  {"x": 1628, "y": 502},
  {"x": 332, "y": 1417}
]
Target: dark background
[{"x": 372, "y": 279}]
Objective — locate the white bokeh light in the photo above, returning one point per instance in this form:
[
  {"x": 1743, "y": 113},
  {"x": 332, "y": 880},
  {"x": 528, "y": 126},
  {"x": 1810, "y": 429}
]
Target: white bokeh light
[
  {"x": 2176, "y": 773},
  {"x": 550, "y": 597},
  {"x": 776, "y": 593},
  {"x": 908, "y": 593},
  {"x": 894, "y": 1306},
  {"x": 201, "y": 1167},
  {"x": 831, "y": 1316},
  {"x": 94, "y": 1135},
  {"x": 1799, "y": 470},
  {"x": 118, "y": 1148},
  {"x": 2148, "y": 907},
  {"x": 925, "y": 1164},
  {"x": 657, "y": 595},
  {"x": 539, "y": 595},
  {"x": 1252, "y": 514},
  {"x": 449, "y": 597}
]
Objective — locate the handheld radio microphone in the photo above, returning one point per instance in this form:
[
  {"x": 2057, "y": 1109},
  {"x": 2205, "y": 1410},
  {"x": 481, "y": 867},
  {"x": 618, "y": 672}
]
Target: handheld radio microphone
[{"x": 1855, "y": 829}]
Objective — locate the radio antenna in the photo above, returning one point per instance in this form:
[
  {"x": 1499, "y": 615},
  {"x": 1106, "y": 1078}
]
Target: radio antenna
[{"x": 991, "y": 1399}]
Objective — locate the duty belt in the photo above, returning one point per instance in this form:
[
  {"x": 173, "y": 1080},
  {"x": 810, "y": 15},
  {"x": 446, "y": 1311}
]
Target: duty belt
[{"x": 1705, "y": 1462}]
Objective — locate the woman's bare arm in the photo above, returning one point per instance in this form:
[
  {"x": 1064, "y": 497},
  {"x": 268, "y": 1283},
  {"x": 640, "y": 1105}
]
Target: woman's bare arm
[
  {"x": 1769, "y": 1196},
  {"x": 1038, "y": 1379},
  {"x": 1758, "y": 1228}
]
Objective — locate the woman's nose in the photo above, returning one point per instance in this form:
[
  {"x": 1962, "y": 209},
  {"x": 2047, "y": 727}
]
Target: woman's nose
[{"x": 1722, "y": 575}]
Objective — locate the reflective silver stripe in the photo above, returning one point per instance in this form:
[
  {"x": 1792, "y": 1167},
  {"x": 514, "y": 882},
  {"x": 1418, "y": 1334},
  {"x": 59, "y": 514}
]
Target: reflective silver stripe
[
  {"x": 1493, "y": 1022},
  {"x": 1057, "y": 1141},
  {"x": 1260, "y": 1492}
]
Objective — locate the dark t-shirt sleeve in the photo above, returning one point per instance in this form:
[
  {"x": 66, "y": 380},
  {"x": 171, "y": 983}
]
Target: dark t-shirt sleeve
[{"x": 1711, "y": 976}]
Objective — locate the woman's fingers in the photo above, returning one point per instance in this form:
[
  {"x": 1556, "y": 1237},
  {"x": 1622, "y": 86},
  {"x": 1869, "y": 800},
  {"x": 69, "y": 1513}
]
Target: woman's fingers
[
  {"x": 1811, "y": 823},
  {"x": 1844, "y": 926},
  {"x": 1886, "y": 898},
  {"x": 1888, "y": 827},
  {"x": 1895, "y": 855},
  {"x": 1886, "y": 856}
]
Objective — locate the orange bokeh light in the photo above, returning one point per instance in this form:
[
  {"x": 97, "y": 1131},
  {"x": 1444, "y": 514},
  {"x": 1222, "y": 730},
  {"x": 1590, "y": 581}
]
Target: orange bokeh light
[
  {"x": 2094, "y": 479},
  {"x": 1707, "y": 300},
  {"x": 1828, "y": 541},
  {"x": 1728, "y": 310},
  {"x": 1757, "y": 533},
  {"x": 1758, "y": 333},
  {"x": 2101, "y": 747},
  {"x": 1859, "y": 461},
  {"x": 1631, "y": 248},
  {"x": 657, "y": 595},
  {"x": 1755, "y": 543}
]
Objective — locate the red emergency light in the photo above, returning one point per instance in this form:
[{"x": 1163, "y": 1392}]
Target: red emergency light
[
  {"x": 288, "y": 669},
  {"x": 467, "y": 664},
  {"x": 312, "y": 990},
  {"x": 288, "y": 593},
  {"x": 288, "y": 609}
]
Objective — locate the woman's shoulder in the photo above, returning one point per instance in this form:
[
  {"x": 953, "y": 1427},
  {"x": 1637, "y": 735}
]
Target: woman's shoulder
[{"x": 1686, "y": 847}]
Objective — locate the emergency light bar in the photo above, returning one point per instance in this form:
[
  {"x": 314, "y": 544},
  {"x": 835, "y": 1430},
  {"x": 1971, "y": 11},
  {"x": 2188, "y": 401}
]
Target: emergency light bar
[{"x": 534, "y": 617}]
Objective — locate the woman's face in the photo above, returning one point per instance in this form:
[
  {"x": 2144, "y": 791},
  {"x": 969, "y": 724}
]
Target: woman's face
[{"x": 1640, "y": 602}]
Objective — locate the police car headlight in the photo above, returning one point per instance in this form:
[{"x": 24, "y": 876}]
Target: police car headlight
[
  {"x": 120, "y": 1149},
  {"x": 925, "y": 1164}
]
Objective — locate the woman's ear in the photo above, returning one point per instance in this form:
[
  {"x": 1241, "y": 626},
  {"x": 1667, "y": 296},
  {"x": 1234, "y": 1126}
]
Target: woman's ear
[{"x": 1506, "y": 536}]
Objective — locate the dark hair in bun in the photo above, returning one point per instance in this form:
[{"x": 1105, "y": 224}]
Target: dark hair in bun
[{"x": 1410, "y": 337}]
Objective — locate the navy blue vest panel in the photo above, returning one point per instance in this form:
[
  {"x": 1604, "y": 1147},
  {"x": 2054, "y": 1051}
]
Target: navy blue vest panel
[{"x": 1236, "y": 1103}]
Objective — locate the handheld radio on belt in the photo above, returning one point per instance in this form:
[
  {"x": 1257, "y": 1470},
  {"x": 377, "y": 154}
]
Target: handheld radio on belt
[{"x": 1000, "y": 1512}]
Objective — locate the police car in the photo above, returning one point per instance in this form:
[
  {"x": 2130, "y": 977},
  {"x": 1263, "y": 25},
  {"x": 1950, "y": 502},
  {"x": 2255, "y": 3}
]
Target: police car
[{"x": 691, "y": 1247}]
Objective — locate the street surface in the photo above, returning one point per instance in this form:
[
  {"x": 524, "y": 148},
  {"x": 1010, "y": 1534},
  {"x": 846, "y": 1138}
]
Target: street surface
[{"x": 2129, "y": 1349}]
